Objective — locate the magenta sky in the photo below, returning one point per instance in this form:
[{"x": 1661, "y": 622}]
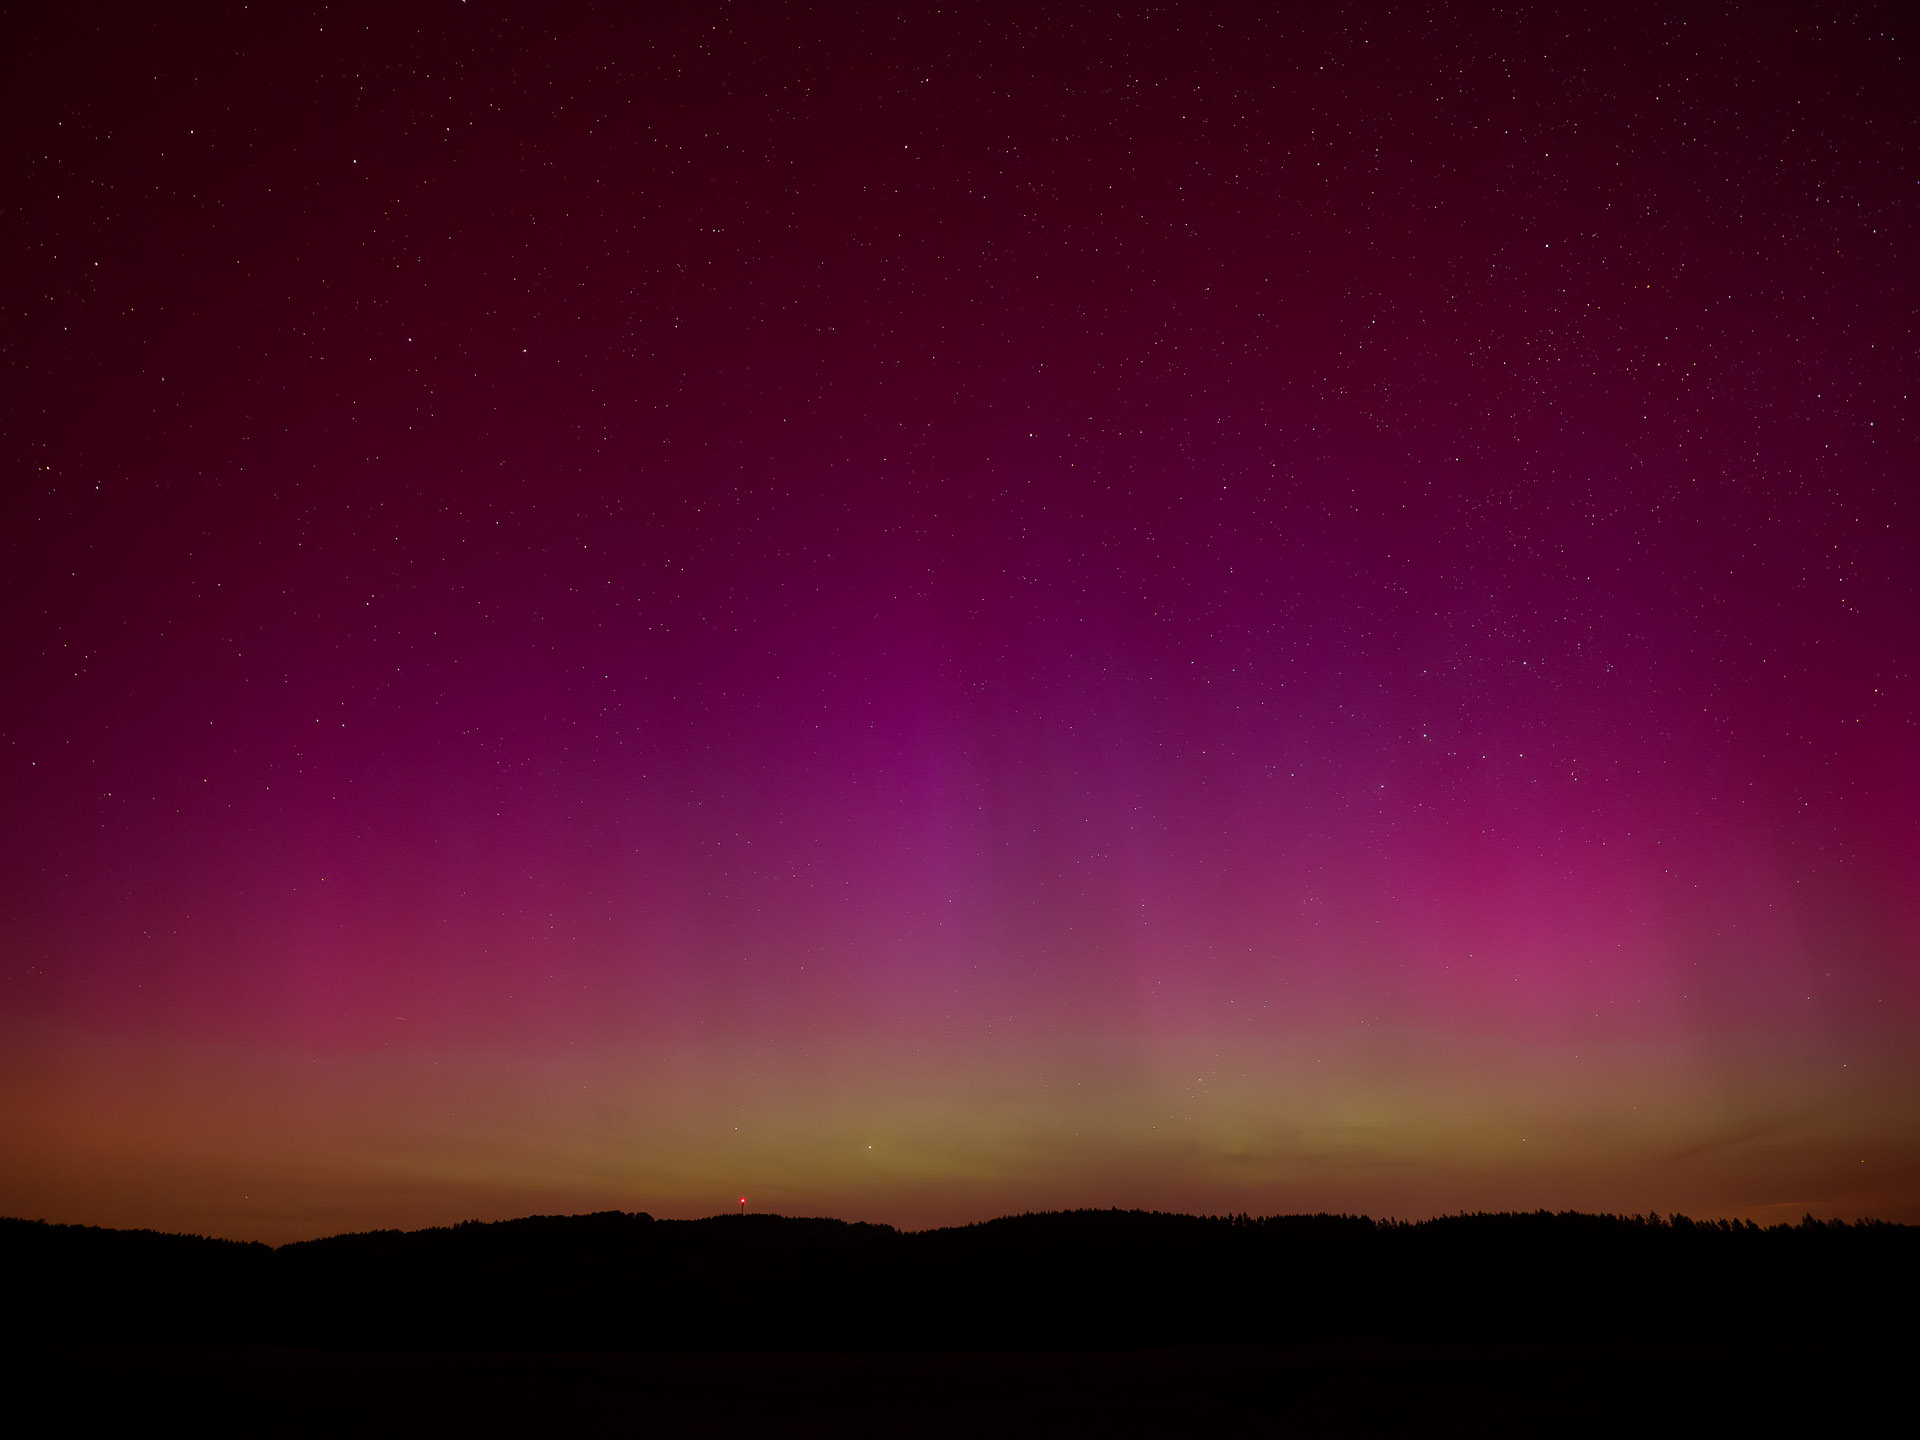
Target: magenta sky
[{"x": 920, "y": 617}]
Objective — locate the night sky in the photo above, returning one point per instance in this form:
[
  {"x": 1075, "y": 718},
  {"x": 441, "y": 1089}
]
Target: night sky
[{"x": 915, "y": 614}]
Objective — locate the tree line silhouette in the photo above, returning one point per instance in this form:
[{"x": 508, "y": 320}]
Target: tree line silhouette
[{"x": 1087, "y": 1278}]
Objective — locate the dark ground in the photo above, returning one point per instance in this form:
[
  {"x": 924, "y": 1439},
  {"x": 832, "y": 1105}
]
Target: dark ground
[
  {"x": 1089, "y": 1322},
  {"x": 1325, "y": 1388},
  {"x": 1082, "y": 1280}
]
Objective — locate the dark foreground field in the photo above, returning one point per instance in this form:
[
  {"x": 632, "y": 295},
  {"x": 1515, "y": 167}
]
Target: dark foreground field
[
  {"x": 1085, "y": 1323},
  {"x": 1336, "y": 1388}
]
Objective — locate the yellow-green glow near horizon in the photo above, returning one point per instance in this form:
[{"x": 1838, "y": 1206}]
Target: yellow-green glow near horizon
[{"x": 941, "y": 1133}]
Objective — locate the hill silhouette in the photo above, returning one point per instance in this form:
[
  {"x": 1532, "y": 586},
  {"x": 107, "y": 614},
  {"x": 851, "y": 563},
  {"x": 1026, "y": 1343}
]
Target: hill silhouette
[{"x": 615, "y": 1281}]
